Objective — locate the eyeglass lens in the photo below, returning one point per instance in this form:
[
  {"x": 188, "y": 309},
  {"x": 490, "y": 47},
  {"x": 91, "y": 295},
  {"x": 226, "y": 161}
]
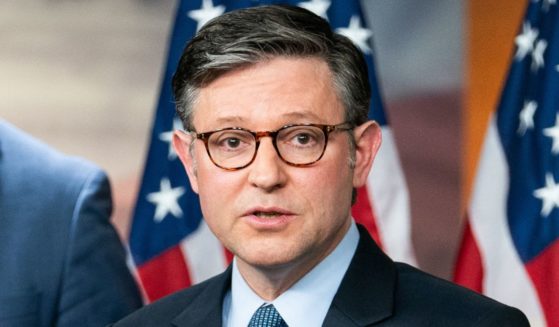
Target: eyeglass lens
[{"x": 232, "y": 148}]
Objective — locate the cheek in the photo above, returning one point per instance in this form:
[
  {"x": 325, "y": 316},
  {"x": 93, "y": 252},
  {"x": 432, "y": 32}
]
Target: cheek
[
  {"x": 217, "y": 191},
  {"x": 326, "y": 190},
  {"x": 217, "y": 199}
]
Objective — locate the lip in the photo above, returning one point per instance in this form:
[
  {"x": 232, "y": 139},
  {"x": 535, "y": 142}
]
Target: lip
[{"x": 282, "y": 218}]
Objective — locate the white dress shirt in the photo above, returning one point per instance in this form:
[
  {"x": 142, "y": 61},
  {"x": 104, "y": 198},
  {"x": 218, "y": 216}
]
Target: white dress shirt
[{"x": 307, "y": 302}]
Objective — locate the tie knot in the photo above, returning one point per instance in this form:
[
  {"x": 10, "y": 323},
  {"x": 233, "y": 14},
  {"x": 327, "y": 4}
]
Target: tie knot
[{"x": 266, "y": 316}]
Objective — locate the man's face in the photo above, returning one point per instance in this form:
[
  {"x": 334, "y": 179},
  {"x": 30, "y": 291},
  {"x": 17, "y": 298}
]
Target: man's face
[{"x": 270, "y": 214}]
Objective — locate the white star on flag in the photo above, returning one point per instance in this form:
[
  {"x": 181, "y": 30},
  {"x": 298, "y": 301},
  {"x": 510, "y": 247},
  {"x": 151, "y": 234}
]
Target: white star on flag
[
  {"x": 527, "y": 117},
  {"x": 168, "y": 137},
  {"x": 537, "y": 55},
  {"x": 206, "y": 13},
  {"x": 356, "y": 33},
  {"x": 318, "y": 7},
  {"x": 166, "y": 200},
  {"x": 557, "y": 68},
  {"x": 553, "y": 132},
  {"x": 549, "y": 194},
  {"x": 525, "y": 41}
]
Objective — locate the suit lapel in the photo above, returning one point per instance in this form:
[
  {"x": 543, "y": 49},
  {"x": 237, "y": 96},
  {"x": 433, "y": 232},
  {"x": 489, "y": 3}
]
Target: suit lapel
[
  {"x": 207, "y": 308},
  {"x": 366, "y": 294}
]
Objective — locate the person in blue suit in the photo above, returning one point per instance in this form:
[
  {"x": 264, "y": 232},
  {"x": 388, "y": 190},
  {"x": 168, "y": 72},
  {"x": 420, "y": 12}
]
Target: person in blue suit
[{"x": 61, "y": 261}]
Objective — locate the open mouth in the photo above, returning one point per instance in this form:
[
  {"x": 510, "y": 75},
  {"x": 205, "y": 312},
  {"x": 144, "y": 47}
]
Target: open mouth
[
  {"x": 267, "y": 214},
  {"x": 269, "y": 218}
]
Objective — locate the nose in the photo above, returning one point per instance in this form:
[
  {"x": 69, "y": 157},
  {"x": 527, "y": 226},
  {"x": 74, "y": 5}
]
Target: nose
[{"x": 267, "y": 170}]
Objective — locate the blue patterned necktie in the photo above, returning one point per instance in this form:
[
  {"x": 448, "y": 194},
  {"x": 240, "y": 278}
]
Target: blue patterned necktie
[{"x": 266, "y": 316}]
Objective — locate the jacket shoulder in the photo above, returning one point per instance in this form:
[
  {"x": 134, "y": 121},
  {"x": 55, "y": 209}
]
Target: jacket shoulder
[
  {"x": 24, "y": 155},
  {"x": 163, "y": 311},
  {"x": 422, "y": 295}
]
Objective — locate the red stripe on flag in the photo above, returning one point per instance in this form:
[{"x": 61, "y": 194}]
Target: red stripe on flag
[
  {"x": 544, "y": 271},
  {"x": 363, "y": 213},
  {"x": 164, "y": 274},
  {"x": 228, "y": 255},
  {"x": 469, "y": 267}
]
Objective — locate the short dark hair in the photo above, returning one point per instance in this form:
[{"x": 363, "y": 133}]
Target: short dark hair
[{"x": 248, "y": 36}]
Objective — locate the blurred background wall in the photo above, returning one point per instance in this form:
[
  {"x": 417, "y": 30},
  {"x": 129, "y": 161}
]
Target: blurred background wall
[{"x": 84, "y": 77}]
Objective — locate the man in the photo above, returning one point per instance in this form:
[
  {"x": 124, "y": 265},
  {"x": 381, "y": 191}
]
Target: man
[
  {"x": 61, "y": 261},
  {"x": 275, "y": 106}
]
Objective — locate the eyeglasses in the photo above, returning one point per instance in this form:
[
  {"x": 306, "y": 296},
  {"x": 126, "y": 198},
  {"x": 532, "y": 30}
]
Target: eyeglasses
[{"x": 298, "y": 145}]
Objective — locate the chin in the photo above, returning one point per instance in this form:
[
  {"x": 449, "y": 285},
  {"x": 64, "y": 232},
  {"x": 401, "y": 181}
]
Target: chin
[{"x": 265, "y": 258}]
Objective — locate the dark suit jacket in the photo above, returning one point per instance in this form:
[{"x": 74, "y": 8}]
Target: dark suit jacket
[
  {"x": 61, "y": 261},
  {"x": 375, "y": 291}
]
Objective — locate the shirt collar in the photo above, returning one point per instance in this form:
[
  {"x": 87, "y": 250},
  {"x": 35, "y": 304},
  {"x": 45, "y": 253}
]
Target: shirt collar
[{"x": 307, "y": 302}]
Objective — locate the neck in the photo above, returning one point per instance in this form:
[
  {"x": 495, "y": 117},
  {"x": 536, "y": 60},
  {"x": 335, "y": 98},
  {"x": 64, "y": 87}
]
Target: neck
[{"x": 270, "y": 282}]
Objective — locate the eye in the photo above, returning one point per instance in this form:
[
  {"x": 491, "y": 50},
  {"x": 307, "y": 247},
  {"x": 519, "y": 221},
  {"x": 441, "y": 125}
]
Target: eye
[
  {"x": 301, "y": 136},
  {"x": 231, "y": 140}
]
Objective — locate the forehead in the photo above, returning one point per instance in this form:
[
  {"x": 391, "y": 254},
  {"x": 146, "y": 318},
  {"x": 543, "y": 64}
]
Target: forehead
[{"x": 277, "y": 91}]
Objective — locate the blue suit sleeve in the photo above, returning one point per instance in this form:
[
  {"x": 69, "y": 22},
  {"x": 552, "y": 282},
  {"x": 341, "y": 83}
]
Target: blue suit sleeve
[{"x": 97, "y": 287}]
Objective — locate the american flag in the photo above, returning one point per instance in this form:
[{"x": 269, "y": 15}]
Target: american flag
[
  {"x": 171, "y": 246},
  {"x": 510, "y": 249}
]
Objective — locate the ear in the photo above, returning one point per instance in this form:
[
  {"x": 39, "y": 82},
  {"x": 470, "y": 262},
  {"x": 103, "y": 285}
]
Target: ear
[
  {"x": 368, "y": 138},
  {"x": 182, "y": 142}
]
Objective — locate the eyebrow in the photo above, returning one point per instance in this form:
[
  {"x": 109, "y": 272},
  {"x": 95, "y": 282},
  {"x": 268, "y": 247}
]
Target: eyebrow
[
  {"x": 302, "y": 114},
  {"x": 290, "y": 116},
  {"x": 230, "y": 119}
]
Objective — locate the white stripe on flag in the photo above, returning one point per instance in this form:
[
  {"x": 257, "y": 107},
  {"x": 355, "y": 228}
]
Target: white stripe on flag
[
  {"x": 389, "y": 197},
  {"x": 502, "y": 265},
  {"x": 203, "y": 253}
]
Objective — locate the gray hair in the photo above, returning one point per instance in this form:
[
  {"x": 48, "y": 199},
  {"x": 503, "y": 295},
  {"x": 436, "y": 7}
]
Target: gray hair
[{"x": 248, "y": 36}]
